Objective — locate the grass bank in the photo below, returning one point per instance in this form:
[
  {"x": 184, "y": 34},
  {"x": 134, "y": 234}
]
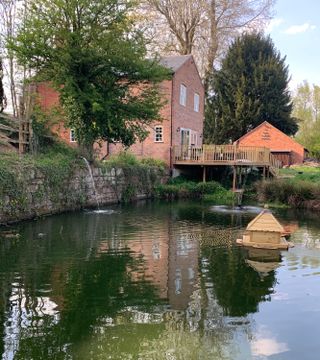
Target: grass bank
[{"x": 301, "y": 173}]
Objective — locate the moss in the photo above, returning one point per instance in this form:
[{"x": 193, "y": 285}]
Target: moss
[
  {"x": 18, "y": 172},
  {"x": 138, "y": 175}
]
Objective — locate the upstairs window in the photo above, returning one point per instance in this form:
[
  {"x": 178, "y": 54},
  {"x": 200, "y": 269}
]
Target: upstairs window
[
  {"x": 183, "y": 95},
  {"x": 73, "y": 135},
  {"x": 196, "y": 102},
  {"x": 158, "y": 134}
]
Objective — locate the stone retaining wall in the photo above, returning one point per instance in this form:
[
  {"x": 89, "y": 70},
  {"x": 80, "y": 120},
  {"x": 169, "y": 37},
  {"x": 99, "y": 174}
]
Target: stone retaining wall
[{"x": 37, "y": 198}]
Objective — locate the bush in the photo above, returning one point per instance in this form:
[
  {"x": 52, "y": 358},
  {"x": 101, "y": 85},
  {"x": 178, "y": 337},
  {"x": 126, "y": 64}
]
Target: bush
[
  {"x": 178, "y": 188},
  {"x": 291, "y": 192},
  {"x": 124, "y": 158},
  {"x": 154, "y": 162}
]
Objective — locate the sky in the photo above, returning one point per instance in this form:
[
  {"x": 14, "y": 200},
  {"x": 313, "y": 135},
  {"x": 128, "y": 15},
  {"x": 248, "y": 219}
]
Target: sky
[{"x": 295, "y": 31}]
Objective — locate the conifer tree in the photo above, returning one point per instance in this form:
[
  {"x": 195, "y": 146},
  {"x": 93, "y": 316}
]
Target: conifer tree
[{"x": 250, "y": 87}]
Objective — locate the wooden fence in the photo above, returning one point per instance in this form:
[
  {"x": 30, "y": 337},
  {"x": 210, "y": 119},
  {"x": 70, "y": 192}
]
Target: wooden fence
[{"x": 15, "y": 133}]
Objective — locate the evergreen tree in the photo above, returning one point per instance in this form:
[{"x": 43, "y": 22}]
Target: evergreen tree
[
  {"x": 251, "y": 87},
  {"x": 95, "y": 57}
]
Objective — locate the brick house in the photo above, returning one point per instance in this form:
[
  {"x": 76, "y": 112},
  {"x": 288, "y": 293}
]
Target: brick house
[
  {"x": 283, "y": 147},
  {"x": 182, "y": 114}
]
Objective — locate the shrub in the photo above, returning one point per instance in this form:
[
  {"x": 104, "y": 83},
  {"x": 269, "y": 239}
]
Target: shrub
[
  {"x": 154, "y": 162},
  {"x": 177, "y": 188},
  {"x": 288, "y": 191},
  {"x": 124, "y": 158}
]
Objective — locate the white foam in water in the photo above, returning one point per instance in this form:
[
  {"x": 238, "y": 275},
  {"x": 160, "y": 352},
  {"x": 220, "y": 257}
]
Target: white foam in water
[
  {"x": 236, "y": 209},
  {"x": 101, "y": 211}
]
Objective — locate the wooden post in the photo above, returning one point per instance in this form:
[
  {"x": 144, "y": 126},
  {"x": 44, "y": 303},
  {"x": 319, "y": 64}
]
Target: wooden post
[
  {"x": 264, "y": 173},
  {"x": 234, "y": 182},
  {"x": 204, "y": 174}
]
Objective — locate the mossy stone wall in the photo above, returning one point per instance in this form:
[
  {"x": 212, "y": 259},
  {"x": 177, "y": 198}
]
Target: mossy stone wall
[{"x": 30, "y": 192}]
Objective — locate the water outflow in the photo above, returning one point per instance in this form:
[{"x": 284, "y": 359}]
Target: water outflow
[{"x": 92, "y": 182}]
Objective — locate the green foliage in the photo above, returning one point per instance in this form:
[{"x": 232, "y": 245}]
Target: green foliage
[
  {"x": 292, "y": 192},
  {"x": 55, "y": 166},
  {"x": 154, "y": 162},
  {"x": 250, "y": 87},
  {"x": 41, "y": 124},
  {"x": 178, "y": 188},
  {"x": 94, "y": 50},
  {"x": 138, "y": 175},
  {"x": 122, "y": 159},
  {"x": 307, "y": 109}
]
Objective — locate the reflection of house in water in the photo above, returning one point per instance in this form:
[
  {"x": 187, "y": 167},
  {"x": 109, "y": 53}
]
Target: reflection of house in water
[
  {"x": 169, "y": 260},
  {"x": 183, "y": 269}
]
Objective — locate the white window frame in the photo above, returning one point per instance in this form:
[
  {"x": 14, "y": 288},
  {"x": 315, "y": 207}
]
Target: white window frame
[
  {"x": 155, "y": 133},
  {"x": 183, "y": 95},
  {"x": 73, "y": 136},
  {"x": 196, "y": 102}
]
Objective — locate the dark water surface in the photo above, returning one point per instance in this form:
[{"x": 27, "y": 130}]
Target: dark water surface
[{"x": 158, "y": 281}]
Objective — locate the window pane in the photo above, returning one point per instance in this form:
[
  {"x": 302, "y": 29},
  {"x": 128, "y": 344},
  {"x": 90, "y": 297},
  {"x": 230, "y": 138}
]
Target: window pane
[
  {"x": 183, "y": 95},
  {"x": 158, "y": 134},
  {"x": 72, "y": 135},
  {"x": 196, "y": 102}
]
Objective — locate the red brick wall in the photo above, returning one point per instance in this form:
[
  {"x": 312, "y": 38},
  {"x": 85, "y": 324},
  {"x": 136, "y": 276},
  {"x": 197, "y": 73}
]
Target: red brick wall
[
  {"x": 270, "y": 137},
  {"x": 182, "y": 116},
  {"x": 185, "y": 116},
  {"x": 150, "y": 148},
  {"x": 48, "y": 99}
]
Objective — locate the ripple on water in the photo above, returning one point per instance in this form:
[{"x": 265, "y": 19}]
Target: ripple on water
[{"x": 236, "y": 209}]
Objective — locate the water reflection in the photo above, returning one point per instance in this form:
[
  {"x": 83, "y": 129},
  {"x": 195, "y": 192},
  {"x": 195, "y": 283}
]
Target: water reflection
[
  {"x": 263, "y": 261},
  {"x": 155, "y": 281}
]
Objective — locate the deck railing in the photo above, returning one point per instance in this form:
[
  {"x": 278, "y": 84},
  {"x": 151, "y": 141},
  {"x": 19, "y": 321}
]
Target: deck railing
[{"x": 224, "y": 155}]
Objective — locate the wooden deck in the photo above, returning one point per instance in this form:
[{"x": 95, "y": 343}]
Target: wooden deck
[{"x": 226, "y": 155}]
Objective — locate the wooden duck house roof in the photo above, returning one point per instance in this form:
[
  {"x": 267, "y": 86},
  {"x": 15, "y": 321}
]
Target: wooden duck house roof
[{"x": 265, "y": 221}]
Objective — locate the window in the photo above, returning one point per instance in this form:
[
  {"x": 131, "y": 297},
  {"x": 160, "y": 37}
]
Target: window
[
  {"x": 183, "y": 95},
  {"x": 158, "y": 134},
  {"x": 196, "y": 102},
  {"x": 72, "y": 135},
  {"x": 194, "y": 138}
]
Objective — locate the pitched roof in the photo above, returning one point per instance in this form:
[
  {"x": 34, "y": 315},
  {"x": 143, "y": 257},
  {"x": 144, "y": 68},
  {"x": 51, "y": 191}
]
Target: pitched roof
[
  {"x": 272, "y": 126},
  {"x": 174, "y": 62},
  {"x": 265, "y": 221}
]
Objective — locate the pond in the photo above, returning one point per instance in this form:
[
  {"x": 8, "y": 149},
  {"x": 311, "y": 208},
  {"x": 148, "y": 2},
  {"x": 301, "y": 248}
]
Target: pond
[{"x": 158, "y": 280}]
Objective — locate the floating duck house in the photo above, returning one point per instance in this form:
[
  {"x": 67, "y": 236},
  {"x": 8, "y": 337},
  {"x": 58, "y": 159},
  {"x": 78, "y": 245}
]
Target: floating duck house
[{"x": 264, "y": 232}]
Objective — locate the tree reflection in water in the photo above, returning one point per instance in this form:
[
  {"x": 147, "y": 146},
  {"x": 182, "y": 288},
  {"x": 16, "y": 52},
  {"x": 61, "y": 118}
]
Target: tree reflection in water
[{"x": 143, "y": 282}]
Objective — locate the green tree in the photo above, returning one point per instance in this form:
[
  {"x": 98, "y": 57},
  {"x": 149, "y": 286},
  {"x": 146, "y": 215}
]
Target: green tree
[
  {"x": 306, "y": 108},
  {"x": 95, "y": 57},
  {"x": 250, "y": 87}
]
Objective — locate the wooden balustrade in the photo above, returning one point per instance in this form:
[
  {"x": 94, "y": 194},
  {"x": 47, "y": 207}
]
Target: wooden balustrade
[
  {"x": 221, "y": 154},
  {"x": 225, "y": 155}
]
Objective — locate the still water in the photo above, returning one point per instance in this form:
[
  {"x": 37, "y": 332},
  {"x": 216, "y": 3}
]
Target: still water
[{"x": 158, "y": 281}]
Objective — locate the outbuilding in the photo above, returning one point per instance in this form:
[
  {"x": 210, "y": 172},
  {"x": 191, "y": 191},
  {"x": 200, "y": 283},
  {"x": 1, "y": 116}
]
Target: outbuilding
[{"x": 282, "y": 146}]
